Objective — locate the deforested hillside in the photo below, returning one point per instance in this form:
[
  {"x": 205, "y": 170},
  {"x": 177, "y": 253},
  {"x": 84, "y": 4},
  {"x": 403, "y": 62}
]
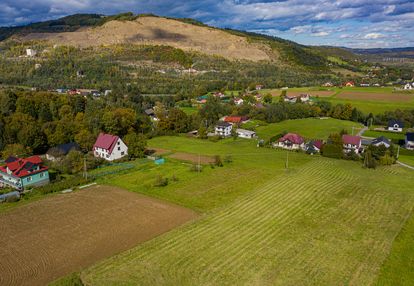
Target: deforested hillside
[{"x": 161, "y": 31}]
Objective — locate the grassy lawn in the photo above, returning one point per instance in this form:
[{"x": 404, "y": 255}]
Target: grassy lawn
[
  {"x": 205, "y": 190},
  {"x": 395, "y": 137},
  {"x": 292, "y": 228},
  {"x": 189, "y": 110},
  {"x": 374, "y": 107},
  {"x": 397, "y": 269},
  {"x": 406, "y": 157},
  {"x": 311, "y": 128}
]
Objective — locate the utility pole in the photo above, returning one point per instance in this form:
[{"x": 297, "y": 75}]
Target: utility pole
[
  {"x": 287, "y": 160},
  {"x": 199, "y": 167},
  {"x": 85, "y": 169}
]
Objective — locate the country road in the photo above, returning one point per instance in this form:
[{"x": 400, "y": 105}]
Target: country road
[{"x": 405, "y": 165}]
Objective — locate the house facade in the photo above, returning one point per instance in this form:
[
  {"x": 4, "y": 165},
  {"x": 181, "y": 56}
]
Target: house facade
[
  {"x": 395, "y": 126},
  {"x": 351, "y": 143},
  {"x": 223, "y": 129},
  {"x": 314, "y": 147},
  {"x": 294, "y": 98},
  {"x": 409, "y": 86},
  {"x": 22, "y": 173},
  {"x": 409, "y": 141},
  {"x": 109, "y": 147},
  {"x": 290, "y": 141}
]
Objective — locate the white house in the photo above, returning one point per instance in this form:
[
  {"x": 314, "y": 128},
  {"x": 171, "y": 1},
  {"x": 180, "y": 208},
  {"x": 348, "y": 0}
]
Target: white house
[
  {"x": 294, "y": 98},
  {"x": 409, "y": 86},
  {"x": 109, "y": 147},
  {"x": 242, "y": 133},
  {"x": 223, "y": 129},
  {"x": 351, "y": 143},
  {"x": 238, "y": 101},
  {"x": 290, "y": 141},
  {"x": 409, "y": 141},
  {"x": 395, "y": 125},
  {"x": 31, "y": 52}
]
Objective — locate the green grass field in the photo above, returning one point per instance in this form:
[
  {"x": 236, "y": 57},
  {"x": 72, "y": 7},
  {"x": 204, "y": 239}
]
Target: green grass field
[
  {"x": 323, "y": 222},
  {"x": 360, "y": 101},
  {"x": 402, "y": 254},
  {"x": 395, "y": 137},
  {"x": 189, "y": 110},
  {"x": 310, "y": 128}
]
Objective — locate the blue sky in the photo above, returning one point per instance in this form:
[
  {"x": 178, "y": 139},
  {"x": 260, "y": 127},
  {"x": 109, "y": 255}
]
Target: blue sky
[{"x": 351, "y": 23}]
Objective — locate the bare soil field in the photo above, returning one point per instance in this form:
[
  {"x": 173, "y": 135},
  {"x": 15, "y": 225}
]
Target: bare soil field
[
  {"x": 160, "y": 151},
  {"x": 161, "y": 31},
  {"x": 390, "y": 97},
  {"x": 194, "y": 158},
  {"x": 47, "y": 239}
]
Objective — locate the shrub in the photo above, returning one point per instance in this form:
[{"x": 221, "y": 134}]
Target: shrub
[
  {"x": 217, "y": 161},
  {"x": 228, "y": 159},
  {"x": 160, "y": 181},
  {"x": 63, "y": 185},
  {"x": 196, "y": 168},
  {"x": 214, "y": 138}
]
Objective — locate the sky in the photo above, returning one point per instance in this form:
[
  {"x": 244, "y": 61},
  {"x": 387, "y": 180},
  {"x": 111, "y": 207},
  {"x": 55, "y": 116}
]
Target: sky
[{"x": 348, "y": 23}]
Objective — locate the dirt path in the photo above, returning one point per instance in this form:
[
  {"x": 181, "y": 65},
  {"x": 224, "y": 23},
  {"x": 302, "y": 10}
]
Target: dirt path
[
  {"x": 47, "y": 239},
  {"x": 193, "y": 158}
]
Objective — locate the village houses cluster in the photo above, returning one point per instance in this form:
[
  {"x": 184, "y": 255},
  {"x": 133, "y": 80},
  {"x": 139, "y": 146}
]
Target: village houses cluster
[{"x": 21, "y": 174}]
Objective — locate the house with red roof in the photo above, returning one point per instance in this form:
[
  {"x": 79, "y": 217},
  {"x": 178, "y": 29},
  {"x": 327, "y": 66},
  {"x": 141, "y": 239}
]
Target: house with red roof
[
  {"x": 351, "y": 143},
  {"x": 235, "y": 119},
  {"x": 290, "y": 141},
  {"x": 21, "y": 173},
  {"x": 109, "y": 147},
  {"x": 314, "y": 146}
]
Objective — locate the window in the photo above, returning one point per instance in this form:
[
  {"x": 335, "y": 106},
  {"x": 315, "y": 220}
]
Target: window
[
  {"x": 119, "y": 143},
  {"x": 42, "y": 175},
  {"x": 29, "y": 179},
  {"x": 107, "y": 156},
  {"x": 119, "y": 148},
  {"x": 122, "y": 153}
]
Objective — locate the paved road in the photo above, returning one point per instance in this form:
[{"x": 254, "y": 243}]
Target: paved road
[
  {"x": 362, "y": 131},
  {"x": 405, "y": 165}
]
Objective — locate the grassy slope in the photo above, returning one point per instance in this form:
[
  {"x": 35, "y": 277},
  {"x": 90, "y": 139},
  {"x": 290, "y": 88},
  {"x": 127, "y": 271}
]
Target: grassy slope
[
  {"x": 311, "y": 128},
  {"x": 291, "y": 229},
  {"x": 397, "y": 269},
  {"x": 389, "y": 135}
]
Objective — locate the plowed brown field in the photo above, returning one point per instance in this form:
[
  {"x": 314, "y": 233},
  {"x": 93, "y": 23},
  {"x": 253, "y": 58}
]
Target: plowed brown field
[{"x": 47, "y": 239}]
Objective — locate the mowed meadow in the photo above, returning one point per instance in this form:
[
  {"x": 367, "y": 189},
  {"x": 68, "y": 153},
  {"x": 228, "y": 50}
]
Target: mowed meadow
[
  {"x": 367, "y": 99},
  {"x": 319, "y": 222}
]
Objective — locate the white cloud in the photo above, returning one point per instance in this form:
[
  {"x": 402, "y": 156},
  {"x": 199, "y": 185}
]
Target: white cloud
[
  {"x": 371, "y": 36},
  {"x": 320, "y": 34}
]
